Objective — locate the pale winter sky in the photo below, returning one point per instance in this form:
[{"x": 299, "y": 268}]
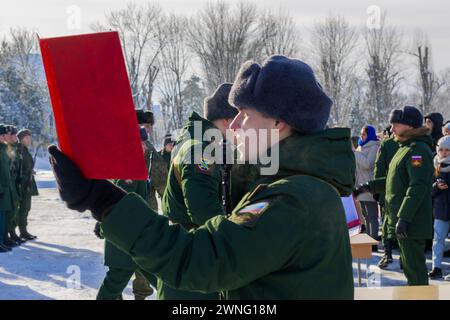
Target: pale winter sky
[{"x": 50, "y": 17}]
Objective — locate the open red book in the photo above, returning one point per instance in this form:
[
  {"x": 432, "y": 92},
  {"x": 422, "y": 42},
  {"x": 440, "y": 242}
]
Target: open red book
[{"x": 93, "y": 107}]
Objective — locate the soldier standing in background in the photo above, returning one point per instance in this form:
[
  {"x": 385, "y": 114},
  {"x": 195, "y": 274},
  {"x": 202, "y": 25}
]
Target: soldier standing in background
[
  {"x": 5, "y": 189},
  {"x": 193, "y": 193},
  {"x": 166, "y": 151},
  {"x": 15, "y": 166},
  {"x": 387, "y": 150},
  {"x": 156, "y": 166},
  {"x": 408, "y": 187},
  {"x": 121, "y": 266},
  {"x": 26, "y": 183}
]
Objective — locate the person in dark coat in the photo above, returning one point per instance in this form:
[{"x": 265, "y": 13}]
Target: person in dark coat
[
  {"x": 441, "y": 204},
  {"x": 435, "y": 121}
]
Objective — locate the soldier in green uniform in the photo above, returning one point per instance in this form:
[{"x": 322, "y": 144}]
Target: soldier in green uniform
[
  {"x": 387, "y": 150},
  {"x": 6, "y": 204},
  {"x": 26, "y": 183},
  {"x": 188, "y": 179},
  {"x": 121, "y": 266},
  {"x": 15, "y": 167},
  {"x": 407, "y": 190},
  {"x": 166, "y": 151},
  {"x": 156, "y": 166},
  {"x": 286, "y": 239}
]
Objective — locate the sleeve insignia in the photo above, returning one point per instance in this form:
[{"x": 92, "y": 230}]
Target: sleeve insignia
[
  {"x": 416, "y": 161},
  {"x": 249, "y": 215},
  {"x": 204, "y": 166}
]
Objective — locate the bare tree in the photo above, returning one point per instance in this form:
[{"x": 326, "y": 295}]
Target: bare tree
[
  {"x": 333, "y": 41},
  {"x": 383, "y": 47},
  {"x": 141, "y": 42},
  {"x": 24, "y": 98},
  {"x": 276, "y": 34},
  {"x": 221, "y": 36},
  {"x": 429, "y": 82},
  {"x": 441, "y": 102},
  {"x": 174, "y": 61}
]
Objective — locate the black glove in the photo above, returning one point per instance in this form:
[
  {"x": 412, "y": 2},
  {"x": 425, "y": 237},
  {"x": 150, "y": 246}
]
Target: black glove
[
  {"x": 98, "y": 231},
  {"x": 80, "y": 193},
  {"x": 361, "y": 189},
  {"x": 401, "y": 229}
]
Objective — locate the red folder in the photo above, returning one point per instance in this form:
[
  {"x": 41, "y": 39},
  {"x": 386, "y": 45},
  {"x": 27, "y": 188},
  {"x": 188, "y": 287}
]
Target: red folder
[{"x": 91, "y": 99}]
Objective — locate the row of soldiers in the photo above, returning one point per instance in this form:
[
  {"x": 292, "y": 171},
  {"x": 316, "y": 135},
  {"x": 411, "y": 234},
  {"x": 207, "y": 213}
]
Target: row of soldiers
[{"x": 17, "y": 186}]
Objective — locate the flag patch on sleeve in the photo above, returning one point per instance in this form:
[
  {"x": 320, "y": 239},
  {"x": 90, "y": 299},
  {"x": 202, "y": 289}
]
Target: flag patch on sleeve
[
  {"x": 416, "y": 161},
  {"x": 249, "y": 215}
]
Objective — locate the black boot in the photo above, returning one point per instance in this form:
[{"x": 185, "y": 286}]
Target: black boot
[
  {"x": 24, "y": 234},
  {"x": 10, "y": 243},
  {"x": 387, "y": 257},
  {"x": 14, "y": 237},
  {"x": 4, "y": 248},
  {"x": 436, "y": 273}
]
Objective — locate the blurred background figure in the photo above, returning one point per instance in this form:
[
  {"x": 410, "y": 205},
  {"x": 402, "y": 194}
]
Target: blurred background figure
[
  {"x": 365, "y": 154},
  {"x": 26, "y": 183}
]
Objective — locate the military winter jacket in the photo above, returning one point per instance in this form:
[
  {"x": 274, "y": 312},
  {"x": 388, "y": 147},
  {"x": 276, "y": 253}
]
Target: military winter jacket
[
  {"x": 193, "y": 193},
  {"x": 408, "y": 184},
  {"x": 286, "y": 239},
  {"x": 6, "y": 201},
  {"x": 26, "y": 181},
  {"x": 114, "y": 257},
  {"x": 14, "y": 167},
  {"x": 387, "y": 150}
]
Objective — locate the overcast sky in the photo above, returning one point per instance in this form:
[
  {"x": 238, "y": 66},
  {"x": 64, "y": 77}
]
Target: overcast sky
[{"x": 50, "y": 17}]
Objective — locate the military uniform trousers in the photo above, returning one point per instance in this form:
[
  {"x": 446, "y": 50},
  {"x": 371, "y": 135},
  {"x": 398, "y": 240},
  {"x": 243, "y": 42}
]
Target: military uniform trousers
[
  {"x": 116, "y": 281},
  {"x": 413, "y": 260}
]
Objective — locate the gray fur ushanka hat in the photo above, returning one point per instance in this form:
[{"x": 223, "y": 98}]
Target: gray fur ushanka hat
[{"x": 285, "y": 89}]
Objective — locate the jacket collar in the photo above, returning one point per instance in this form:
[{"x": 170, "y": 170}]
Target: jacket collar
[{"x": 413, "y": 134}]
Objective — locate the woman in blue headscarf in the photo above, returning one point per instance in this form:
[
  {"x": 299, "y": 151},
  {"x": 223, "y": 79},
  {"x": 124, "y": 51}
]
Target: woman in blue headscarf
[{"x": 365, "y": 155}]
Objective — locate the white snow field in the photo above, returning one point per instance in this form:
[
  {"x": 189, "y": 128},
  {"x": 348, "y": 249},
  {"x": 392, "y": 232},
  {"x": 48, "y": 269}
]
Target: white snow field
[{"x": 66, "y": 261}]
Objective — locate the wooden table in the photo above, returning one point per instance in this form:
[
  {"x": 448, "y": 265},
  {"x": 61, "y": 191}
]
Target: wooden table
[
  {"x": 432, "y": 292},
  {"x": 361, "y": 245}
]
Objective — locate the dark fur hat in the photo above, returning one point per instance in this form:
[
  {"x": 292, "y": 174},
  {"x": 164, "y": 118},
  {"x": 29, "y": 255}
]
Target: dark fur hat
[
  {"x": 284, "y": 89},
  {"x": 145, "y": 117},
  {"x": 3, "y": 129},
  {"x": 216, "y": 106},
  {"x": 11, "y": 129},
  {"x": 409, "y": 115}
]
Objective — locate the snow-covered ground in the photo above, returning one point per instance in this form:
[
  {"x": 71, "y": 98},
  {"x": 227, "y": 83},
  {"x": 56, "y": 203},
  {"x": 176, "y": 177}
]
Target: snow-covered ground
[{"x": 66, "y": 261}]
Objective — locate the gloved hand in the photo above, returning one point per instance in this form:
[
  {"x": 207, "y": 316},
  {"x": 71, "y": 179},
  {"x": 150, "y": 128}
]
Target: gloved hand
[
  {"x": 361, "y": 189},
  {"x": 401, "y": 229},
  {"x": 98, "y": 231},
  {"x": 80, "y": 193}
]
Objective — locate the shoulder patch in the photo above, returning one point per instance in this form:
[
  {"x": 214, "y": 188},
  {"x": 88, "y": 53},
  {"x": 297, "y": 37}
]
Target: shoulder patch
[
  {"x": 249, "y": 215},
  {"x": 416, "y": 161},
  {"x": 205, "y": 166}
]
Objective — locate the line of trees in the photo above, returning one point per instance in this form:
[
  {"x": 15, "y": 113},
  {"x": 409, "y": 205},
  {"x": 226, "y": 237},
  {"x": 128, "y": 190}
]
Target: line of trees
[{"x": 176, "y": 60}]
